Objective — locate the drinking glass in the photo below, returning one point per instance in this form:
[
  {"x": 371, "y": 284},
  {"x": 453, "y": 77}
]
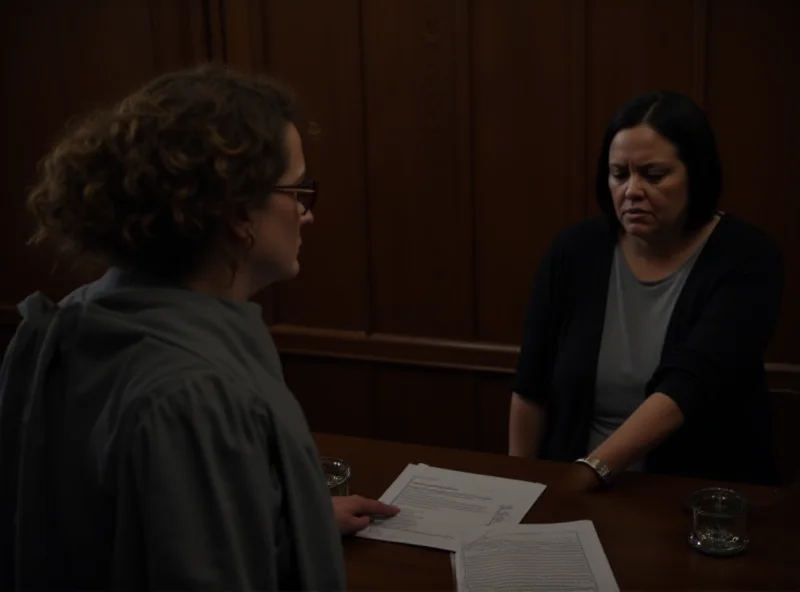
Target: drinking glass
[
  {"x": 337, "y": 473},
  {"x": 719, "y": 522}
]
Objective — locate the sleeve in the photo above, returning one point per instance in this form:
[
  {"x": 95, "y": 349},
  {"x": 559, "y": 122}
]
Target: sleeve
[
  {"x": 733, "y": 329},
  {"x": 540, "y": 333},
  {"x": 203, "y": 482}
]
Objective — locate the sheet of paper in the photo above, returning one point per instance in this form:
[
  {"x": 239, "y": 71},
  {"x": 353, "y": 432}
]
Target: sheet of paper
[
  {"x": 435, "y": 503},
  {"x": 552, "y": 557}
]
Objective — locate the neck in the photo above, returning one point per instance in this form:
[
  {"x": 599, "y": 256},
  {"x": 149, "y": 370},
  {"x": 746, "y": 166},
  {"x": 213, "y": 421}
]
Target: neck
[
  {"x": 659, "y": 248},
  {"x": 221, "y": 279}
]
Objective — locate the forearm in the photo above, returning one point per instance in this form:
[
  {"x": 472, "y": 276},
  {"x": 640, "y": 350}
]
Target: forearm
[
  {"x": 525, "y": 427},
  {"x": 655, "y": 419}
]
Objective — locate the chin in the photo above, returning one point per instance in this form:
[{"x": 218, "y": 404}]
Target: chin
[
  {"x": 279, "y": 273},
  {"x": 292, "y": 270},
  {"x": 637, "y": 229}
]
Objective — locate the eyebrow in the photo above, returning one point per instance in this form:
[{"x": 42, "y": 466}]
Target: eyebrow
[{"x": 647, "y": 165}]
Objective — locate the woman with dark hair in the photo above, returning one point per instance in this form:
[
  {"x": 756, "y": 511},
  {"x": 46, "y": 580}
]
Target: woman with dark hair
[
  {"x": 646, "y": 328},
  {"x": 147, "y": 437}
]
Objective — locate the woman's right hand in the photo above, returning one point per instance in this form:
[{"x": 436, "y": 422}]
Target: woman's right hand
[{"x": 354, "y": 512}]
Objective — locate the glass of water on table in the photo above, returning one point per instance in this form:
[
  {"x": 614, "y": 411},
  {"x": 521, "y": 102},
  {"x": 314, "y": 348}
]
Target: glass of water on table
[
  {"x": 719, "y": 522},
  {"x": 337, "y": 474}
]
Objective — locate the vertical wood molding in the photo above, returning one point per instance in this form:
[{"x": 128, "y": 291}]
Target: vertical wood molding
[
  {"x": 258, "y": 33},
  {"x": 216, "y": 42},
  {"x": 365, "y": 158},
  {"x": 243, "y": 34},
  {"x": 580, "y": 167},
  {"x": 699, "y": 51},
  {"x": 466, "y": 163},
  {"x": 465, "y": 185}
]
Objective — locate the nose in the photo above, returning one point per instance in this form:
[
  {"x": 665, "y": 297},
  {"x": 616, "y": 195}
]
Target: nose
[
  {"x": 307, "y": 218},
  {"x": 635, "y": 186}
]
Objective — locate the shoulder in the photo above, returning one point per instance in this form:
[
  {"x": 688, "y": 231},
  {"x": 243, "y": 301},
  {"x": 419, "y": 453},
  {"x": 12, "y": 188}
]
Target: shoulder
[
  {"x": 205, "y": 403},
  {"x": 195, "y": 409},
  {"x": 580, "y": 246},
  {"x": 737, "y": 241},
  {"x": 192, "y": 386},
  {"x": 586, "y": 236}
]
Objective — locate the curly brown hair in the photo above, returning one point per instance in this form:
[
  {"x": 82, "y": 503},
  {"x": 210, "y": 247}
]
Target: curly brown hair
[{"x": 154, "y": 182}]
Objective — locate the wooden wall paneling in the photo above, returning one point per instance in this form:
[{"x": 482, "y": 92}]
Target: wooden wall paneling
[
  {"x": 182, "y": 34},
  {"x": 699, "y": 51},
  {"x": 66, "y": 59},
  {"x": 634, "y": 47},
  {"x": 320, "y": 58},
  {"x": 215, "y": 13},
  {"x": 336, "y": 395},
  {"x": 493, "y": 399},
  {"x": 33, "y": 109},
  {"x": 581, "y": 179},
  {"x": 753, "y": 96},
  {"x": 106, "y": 50},
  {"x": 243, "y": 33},
  {"x": 786, "y": 411},
  {"x": 416, "y": 69},
  {"x": 425, "y": 406},
  {"x": 524, "y": 147}
]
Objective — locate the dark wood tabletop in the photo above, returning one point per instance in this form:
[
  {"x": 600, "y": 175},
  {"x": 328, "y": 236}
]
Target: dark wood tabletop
[{"x": 642, "y": 522}]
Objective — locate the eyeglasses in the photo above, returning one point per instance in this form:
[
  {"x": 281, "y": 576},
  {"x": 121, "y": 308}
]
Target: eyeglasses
[{"x": 305, "y": 192}]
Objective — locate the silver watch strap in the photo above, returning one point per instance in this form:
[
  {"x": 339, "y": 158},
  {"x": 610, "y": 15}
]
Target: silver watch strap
[{"x": 599, "y": 467}]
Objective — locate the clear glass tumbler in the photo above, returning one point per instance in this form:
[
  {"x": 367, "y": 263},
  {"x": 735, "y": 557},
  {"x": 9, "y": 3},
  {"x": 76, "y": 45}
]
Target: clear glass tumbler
[
  {"x": 337, "y": 473},
  {"x": 719, "y": 522}
]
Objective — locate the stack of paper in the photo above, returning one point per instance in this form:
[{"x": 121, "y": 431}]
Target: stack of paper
[
  {"x": 436, "y": 503},
  {"x": 477, "y": 517},
  {"x": 551, "y": 557}
]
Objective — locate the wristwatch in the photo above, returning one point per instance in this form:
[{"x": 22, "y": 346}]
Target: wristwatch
[{"x": 601, "y": 468}]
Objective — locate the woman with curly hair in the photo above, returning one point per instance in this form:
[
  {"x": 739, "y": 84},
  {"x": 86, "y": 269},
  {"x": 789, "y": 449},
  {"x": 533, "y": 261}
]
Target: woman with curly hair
[{"x": 147, "y": 437}]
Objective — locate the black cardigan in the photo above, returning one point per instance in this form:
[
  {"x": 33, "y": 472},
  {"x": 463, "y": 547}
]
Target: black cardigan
[{"x": 711, "y": 364}]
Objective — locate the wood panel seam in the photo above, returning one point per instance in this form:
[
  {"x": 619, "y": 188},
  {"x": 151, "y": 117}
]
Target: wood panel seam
[
  {"x": 223, "y": 29},
  {"x": 578, "y": 142},
  {"x": 464, "y": 52},
  {"x": 699, "y": 51},
  {"x": 369, "y": 321}
]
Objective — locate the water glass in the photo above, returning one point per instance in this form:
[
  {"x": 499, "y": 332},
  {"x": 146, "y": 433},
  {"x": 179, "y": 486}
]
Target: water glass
[
  {"x": 719, "y": 522},
  {"x": 337, "y": 473}
]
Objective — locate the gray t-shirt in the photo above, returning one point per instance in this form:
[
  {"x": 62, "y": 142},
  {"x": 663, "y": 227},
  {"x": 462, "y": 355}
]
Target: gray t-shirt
[{"x": 636, "y": 319}]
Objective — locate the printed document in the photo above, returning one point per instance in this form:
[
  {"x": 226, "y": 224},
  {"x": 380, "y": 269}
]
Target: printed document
[
  {"x": 435, "y": 503},
  {"x": 551, "y": 557}
]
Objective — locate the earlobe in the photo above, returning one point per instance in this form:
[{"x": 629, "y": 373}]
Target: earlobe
[
  {"x": 242, "y": 229},
  {"x": 250, "y": 238}
]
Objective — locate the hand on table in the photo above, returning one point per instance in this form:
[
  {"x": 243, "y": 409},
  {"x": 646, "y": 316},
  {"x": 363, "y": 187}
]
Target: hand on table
[{"x": 354, "y": 513}]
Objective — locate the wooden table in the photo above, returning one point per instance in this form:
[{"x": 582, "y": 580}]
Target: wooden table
[{"x": 642, "y": 522}]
